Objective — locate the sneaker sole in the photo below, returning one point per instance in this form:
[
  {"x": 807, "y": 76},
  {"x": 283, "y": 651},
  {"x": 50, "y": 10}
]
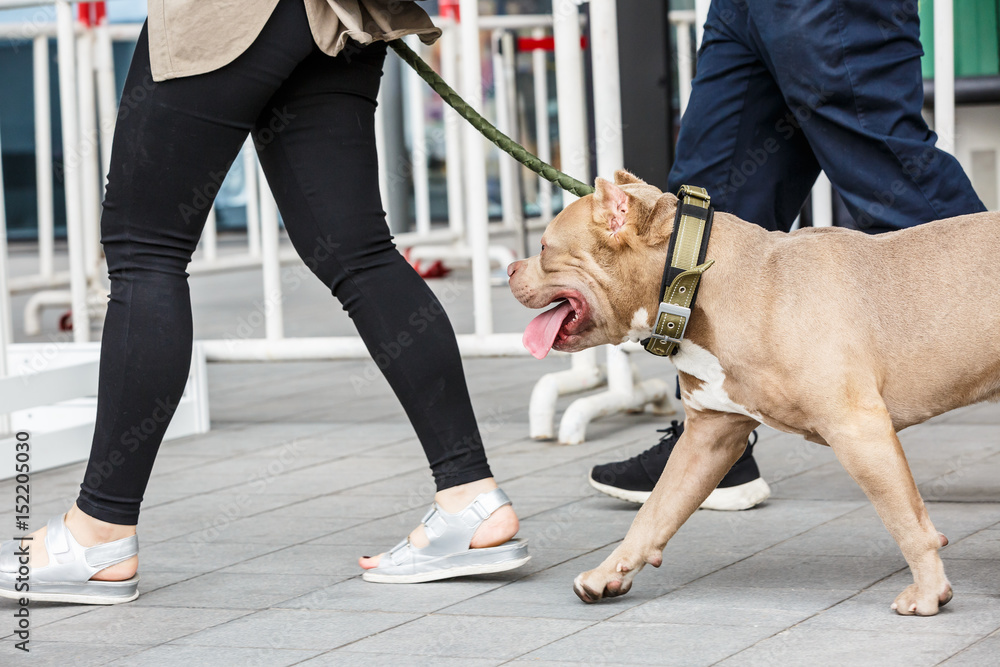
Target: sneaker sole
[{"x": 729, "y": 499}]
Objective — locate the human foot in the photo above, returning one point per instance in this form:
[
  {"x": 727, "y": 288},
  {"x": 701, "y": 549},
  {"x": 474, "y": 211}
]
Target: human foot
[{"x": 497, "y": 528}]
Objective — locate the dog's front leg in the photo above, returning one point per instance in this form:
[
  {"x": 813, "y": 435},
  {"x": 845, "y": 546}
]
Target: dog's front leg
[
  {"x": 867, "y": 446},
  {"x": 708, "y": 448}
]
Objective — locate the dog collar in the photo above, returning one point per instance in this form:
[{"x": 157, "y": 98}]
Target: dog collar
[{"x": 682, "y": 270}]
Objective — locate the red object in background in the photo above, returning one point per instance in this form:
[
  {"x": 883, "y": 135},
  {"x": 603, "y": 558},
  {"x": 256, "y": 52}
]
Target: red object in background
[
  {"x": 449, "y": 9},
  {"x": 91, "y": 14},
  {"x": 436, "y": 270},
  {"x": 66, "y": 321},
  {"x": 543, "y": 43}
]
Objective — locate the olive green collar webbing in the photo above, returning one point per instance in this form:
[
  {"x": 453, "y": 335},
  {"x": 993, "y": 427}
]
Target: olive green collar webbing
[{"x": 682, "y": 270}]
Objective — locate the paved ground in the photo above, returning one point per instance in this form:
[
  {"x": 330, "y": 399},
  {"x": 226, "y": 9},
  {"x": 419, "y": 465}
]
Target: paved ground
[{"x": 250, "y": 534}]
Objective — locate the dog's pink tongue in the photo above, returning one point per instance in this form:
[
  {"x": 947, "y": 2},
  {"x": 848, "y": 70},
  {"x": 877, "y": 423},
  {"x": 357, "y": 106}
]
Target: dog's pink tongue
[{"x": 542, "y": 331}]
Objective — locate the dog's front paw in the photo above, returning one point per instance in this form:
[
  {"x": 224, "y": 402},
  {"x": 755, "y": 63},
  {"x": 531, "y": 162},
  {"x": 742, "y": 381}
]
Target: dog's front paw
[
  {"x": 915, "y": 602},
  {"x": 613, "y": 578}
]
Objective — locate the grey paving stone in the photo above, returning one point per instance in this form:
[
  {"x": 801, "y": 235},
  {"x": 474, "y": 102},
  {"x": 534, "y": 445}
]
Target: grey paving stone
[
  {"x": 983, "y": 652},
  {"x": 347, "y": 504},
  {"x": 222, "y": 590},
  {"x": 704, "y": 605},
  {"x": 134, "y": 624},
  {"x": 984, "y": 544},
  {"x": 806, "y": 571},
  {"x": 967, "y": 575},
  {"x": 198, "y": 517},
  {"x": 754, "y": 530},
  {"x": 966, "y": 615},
  {"x": 549, "y": 594},
  {"x": 277, "y": 527},
  {"x": 297, "y": 629},
  {"x": 177, "y": 556},
  {"x": 822, "y": 647},
  {"x": 826, "y": 482},
  {"x": 974, "y": 481},
  {"x": 358, "y": 595},
  {"x": 342, "y": 657},
  {"x": 44, "y": 653},
  {"x": 468, "y": 636},
  {"x": 309, "y": 559},
  {"x": 172, "y": 655},
  {"x": 652, "y": 644}
]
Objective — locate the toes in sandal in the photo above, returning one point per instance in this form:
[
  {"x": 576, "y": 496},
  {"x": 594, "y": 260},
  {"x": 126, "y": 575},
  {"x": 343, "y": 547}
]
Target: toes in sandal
[
  {"x": 66, "y": 578},
  {"x": 448, "y": 553}
]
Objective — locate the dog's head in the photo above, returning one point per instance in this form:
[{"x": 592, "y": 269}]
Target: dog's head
[{"x": 598, "y": 263}]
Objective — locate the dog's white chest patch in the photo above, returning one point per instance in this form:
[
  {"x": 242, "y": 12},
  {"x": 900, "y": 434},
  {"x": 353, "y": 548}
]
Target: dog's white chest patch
[
  {"x": 639, "y": 327},
  {"x": 695, "y": 360}
]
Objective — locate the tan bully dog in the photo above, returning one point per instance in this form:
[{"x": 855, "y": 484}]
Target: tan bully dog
[{"x": 833, "y": 334}]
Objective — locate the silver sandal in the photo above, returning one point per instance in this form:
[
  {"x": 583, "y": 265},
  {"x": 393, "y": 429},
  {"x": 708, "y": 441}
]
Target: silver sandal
[
  {"x": 448, "y": 554},
  {"x": 67, "y": 576}
]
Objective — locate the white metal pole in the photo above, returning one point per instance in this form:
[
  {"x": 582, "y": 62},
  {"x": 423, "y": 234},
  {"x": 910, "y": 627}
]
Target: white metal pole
[
  {"x": 452, "y": 134},
  {"x": 571, "y": 101},
  {"x": 685, "y": 69},
  {"x": 43, "y": 156},
  {"x": 944, "y": 74},
  {"x": 475, "y": 170},
  {"x": 608, "y": 124},
  {"x": 701, "y": 15},
  {"x": 584, "y": 373},
  {"x": 501, "y": 97},
  {"x": 415, "y": 112},
  {"x": 380, "y": 150},
  {"x": 107, "y": 93},
  {"x": 822, "y": 202},
  {"x": 570, "y": 96},
  {"x": 509, "y": 75},
  {"x": 274, "y": 326},
  {"x": 209, "y": 237},
  {"x": 89, "y": 156},
  {"x": 539, "y": 66},
  {"x": 253, "y": 198},
  {"x": 71, "y": 174},
  {"x": 6, "y": 319}
]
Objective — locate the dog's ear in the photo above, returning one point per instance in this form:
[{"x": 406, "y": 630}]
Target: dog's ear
[
  {"x": 656, "y": 227},
  {"x": 611, "y": 205},
  {"x": 623, "y": 177}
]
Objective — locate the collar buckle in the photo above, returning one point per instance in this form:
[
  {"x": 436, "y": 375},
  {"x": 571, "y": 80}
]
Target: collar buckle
[{"x": 684, "y": 314}]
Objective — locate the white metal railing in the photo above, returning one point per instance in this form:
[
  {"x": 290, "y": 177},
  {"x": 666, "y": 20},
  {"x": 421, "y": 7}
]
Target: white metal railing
[{"x": 85, "y": 75}]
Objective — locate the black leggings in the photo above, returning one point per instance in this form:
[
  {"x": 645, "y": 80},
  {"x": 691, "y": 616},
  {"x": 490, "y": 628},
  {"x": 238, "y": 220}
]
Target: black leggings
[{"x": 312, "y": 119}]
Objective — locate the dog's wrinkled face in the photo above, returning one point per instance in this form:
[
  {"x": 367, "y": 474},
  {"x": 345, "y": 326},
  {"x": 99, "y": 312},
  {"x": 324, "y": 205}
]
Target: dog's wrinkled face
[{"x": 597, "y": 263}]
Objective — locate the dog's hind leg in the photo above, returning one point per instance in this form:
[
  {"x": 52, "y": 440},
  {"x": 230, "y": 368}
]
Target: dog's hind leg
[
  {"x": 867, "y": 446},
  {"x": 708, "y": 448}
]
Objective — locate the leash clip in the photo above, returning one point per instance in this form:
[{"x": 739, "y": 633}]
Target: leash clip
[{"x": 676, "y": 311}]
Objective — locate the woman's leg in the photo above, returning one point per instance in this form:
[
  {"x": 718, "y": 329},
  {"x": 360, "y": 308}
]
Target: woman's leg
[
  {"x": 322, "y": 166},
  {"x": 174, "y": 143}
]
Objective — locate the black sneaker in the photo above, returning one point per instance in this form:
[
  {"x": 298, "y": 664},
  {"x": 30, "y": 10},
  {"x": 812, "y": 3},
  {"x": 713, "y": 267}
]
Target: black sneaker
[{"x": 633, "y": 480}]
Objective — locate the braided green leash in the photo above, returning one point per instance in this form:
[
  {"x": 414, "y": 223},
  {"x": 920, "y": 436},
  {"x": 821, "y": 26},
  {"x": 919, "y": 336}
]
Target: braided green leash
[{"x": 498, "y": 138}]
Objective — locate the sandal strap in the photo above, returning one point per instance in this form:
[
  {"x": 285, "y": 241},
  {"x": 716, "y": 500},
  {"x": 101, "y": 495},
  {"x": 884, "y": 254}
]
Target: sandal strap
[
  {"x": 112, "y": 553},
  {"x": 58, "y": 541},
  {"x": 451, "y": 533},
  {"x": 63, "y": 549}
]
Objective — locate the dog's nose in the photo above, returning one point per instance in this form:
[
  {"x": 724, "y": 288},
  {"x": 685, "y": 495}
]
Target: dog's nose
[{"x": 512, "y": 267}]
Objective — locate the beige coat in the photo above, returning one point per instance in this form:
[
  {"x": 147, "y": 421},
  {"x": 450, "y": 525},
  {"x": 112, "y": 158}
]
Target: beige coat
[{"x": 196, "y": 36}]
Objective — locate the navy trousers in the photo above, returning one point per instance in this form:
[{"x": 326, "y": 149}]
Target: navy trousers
[{"x": 787, "y": 87}]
